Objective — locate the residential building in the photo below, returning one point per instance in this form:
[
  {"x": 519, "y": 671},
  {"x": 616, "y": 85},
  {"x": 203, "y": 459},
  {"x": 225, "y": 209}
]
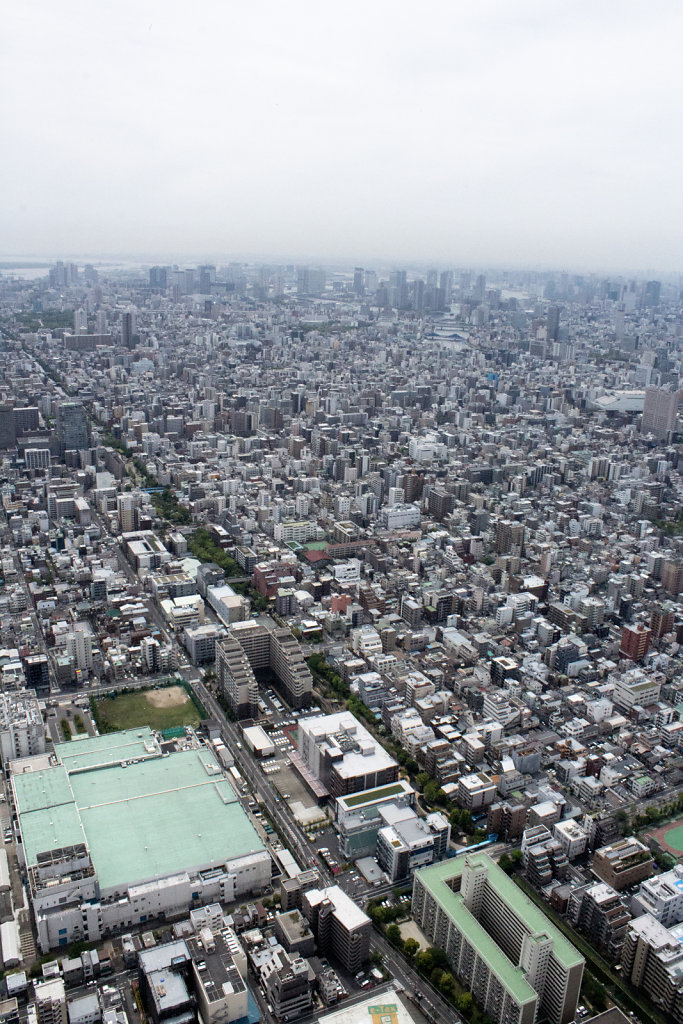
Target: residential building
[{"x": 517, "y": 965}]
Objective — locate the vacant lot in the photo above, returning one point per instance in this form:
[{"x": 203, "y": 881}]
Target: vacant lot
[{"x": 159, "y": 709}]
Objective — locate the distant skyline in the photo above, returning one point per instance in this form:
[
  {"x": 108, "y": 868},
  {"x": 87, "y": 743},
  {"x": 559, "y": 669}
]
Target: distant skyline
[{"x": 531, "y": 135}]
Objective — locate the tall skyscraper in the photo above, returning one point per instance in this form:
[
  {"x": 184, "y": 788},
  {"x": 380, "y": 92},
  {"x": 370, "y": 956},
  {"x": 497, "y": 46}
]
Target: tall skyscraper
[
  {"x": 127, "y": 328},
  {"x": 8, "y": 436},
  {"x": 72, "y": 427},
  {"x": 358, "y": 280},
  {"x": 446, "y": 286},
  {"x": 158, "y": 278},
  {"x": 80, "y": 321},
  {"x": 207, "y": 277},
  {"x": 660, "y": 412},
  {"x": 553, "y": 323}
]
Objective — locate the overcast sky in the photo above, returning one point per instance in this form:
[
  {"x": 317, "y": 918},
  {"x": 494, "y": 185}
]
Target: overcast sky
[{"x": 514, "y": 132}]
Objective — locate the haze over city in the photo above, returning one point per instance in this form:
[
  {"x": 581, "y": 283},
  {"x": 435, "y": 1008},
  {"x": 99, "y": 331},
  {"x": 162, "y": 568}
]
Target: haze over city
[
  {"x": 531, "y": 134},
  {"x": 341, "y": 513}
]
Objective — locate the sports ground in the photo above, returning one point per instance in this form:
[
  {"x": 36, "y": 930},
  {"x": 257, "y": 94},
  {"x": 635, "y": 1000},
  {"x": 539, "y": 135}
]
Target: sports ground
[
  {"x": 669, "y": 837},
  {"x": 162, "y": 708}
]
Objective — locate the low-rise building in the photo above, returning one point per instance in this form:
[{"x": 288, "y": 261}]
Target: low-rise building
[{"x": 623, "y": 863}]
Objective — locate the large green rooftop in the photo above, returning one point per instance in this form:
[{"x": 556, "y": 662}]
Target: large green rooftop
[
  {"x": 436, "y": 878},
  {"x": 86, "y": 752},
  {"x": 158, "y": 816}
]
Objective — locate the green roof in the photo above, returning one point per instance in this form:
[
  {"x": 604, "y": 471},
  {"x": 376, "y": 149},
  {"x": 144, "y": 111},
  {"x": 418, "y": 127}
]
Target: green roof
[
  {"x": 47, "y": 812},
  {"x": 370, "y": 795},
  {"x": 140, "y": 821},
  {"x": 86, "y": 752},
  {"x": 435, "y": 879}
]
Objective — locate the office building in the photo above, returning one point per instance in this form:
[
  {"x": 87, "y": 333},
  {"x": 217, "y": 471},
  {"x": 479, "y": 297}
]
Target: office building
[
  {"x": 343, "y": 755},
  {"x": 572, "y": 838},
  {"x": 37, "y": 673},
  {"x": 499, "y": 944},
  {"x": 636, "y": 687},
  {"x": 164, "y": 976},
  {"x": 8, "y": 437},
  {"x": 406, "y": 842},
  {"x": 37, "y": 458},
  {"x": 128, "y": 328}
]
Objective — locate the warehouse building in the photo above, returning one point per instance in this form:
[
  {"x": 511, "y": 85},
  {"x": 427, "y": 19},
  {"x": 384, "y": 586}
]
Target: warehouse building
[
  {"x": 517, "y": 965},
  {"x": 115, "y": 834}
]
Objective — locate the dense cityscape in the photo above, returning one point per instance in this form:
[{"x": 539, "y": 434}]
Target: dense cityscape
[{"x": 341, "y": 645}]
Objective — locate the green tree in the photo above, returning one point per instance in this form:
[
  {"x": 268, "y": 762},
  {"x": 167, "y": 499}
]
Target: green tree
[
  {"x": 505, "y": 863},
  {"x": 393, "y": 934},
  {"x": 410, "y": 948},
  {"x": 447, "y": 985},
  {"x": 439, "y": 958},
  {"x": 424, "y": 961},
  {"x": 422, "y": 780},
  {"x": 465, "y": 1004}
]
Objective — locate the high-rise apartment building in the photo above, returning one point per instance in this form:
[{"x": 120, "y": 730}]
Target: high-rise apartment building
[
  {"x": 260, "y": 649},
  {"x": 662, "y": 620},
  {"x": 652, "y": 959},
  {"x": 8, "y": 435},
  {"x": 341, "y": 928},
  {"x": 517, "y": 965},
  {"x": 51, "y": 1001},
  {"x": 635, "y": 642},
  {"x": 235, "y": 676},
  {"x": 80, "y": 321},
  {"x": 660, "y": 412},
  {"x": 128, "y": 328},
  {"x": 72, "y": 429}
]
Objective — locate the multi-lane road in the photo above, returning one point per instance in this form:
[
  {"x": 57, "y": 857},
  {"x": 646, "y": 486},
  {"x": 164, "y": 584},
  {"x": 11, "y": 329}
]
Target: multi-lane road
[{"x": 432, "y": 1005}]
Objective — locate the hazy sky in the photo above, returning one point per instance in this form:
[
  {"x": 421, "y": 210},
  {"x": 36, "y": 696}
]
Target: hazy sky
[{"x": 512, "y": 132}]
